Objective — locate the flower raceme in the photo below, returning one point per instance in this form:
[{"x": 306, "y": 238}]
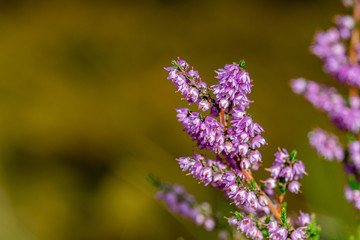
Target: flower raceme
[
  {"x": 179, "y": 201},
  {"x": 346, "y": 116},
  {"x": 225, "y": 128}
]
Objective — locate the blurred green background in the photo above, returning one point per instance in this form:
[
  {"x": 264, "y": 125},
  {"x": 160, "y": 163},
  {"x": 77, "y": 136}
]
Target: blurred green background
[{"x": 86, "y": 111}]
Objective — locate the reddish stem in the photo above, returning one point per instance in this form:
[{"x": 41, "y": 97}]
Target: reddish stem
[
  {"x": 223, "y": 119},
  {"x": 272, "y": 208},
  {"x": 354, "y": 42}
]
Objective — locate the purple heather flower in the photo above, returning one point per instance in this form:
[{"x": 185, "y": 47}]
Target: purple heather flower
[
  {"x": 183, "y": 64},
  {"x": 209, "y": 224},
  {"x": 259, "y": 236},
  {"x": 196, "y": 169},
  {"x": 298, "y": 85},
  {"x": 228, "y": 178},
  {"x": 252, "y": 232},
  {"x": 327, "y": 145},
  {"x": 345, "y": 24},
  {"x": 272, "y": 226},
  {"x": 184, "y": 209},
  {"x": 299, "y": 170},
  {"x": 243, "y": 149},
  {"x": 299, "y": 234},
  {"x": 245, "y": 164},
  {"x": 348, "y": 74},
  {"x": 263, "y": 201},
  {"x": 185, "y": 163},
  {"x": 294, "y": 187},
  {"x": 278, "y": 234},
  {"x": 280, "y": 157},
  {"x": 241, "y": 197},
  {"x": 244, "y": 224},
  {"x": 182, "y": 113},
  {"x": 354, "y": 152},
  {"x": 214, "y": 111},
  {"x": 274, "y": 171},
  {"x": 233, "y": 221},
  {"x": 252, "y": 200},
  {"x": 218, "y": 181},
  {"x": 323, "y": 42},
  {"x": 304, "y": 219},
  {"x": 270, "y": 183},
  {"x": 354, "y": 101},
  {"x": 232, "y": 190},
  {"x": 228, "y": 147},
  {"x": 357, "y": 203},
  {"x": 193, "y": 95},
  {"x": 204, "y": 105},
  {"x": 258, "y": 141},
  {"x": 206, "y": 176},
  {"x": 193, "y": 74},
  {"x": 199, "y": 218},
  {"x": 203, "y": 87},
  {"x": 287, "y": 173},
  {"x": 353, "y": 196},
  {"x": 178, "y": 189},
  {"x": 224, "y": 103},
  {"x": 254, "y": 157},
  {"x": 348, "y": 194}
]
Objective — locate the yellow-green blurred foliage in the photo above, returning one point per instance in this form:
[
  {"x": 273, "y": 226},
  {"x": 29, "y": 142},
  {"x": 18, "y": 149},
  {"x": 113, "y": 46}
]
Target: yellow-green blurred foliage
[{"x": 86, "y": 111}]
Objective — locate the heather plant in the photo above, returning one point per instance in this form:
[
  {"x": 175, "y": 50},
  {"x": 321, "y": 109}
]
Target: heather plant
[
  {"x": 339, "y": 50},
  {"x": 225, "y": 128}
]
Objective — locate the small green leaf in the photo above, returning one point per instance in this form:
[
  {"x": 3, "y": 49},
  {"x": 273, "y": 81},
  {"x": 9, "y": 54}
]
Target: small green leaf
[
  {"x": 175, "y": 64},
  {"x": 242, "y": 63},
  {"x": 267, "y": 219},
  {"x": 238, "y": 180},
  {"x": 347, "y": 101},
  {"x": 265, "y": 232},
  {"x": 252, "y": 185},
  {"x": 282, "y": 189},
  {"x": 293, "y": 155},
  {"x": 353, "y": 183},
  {"x": 202, "y": 117},
  {"x": 238, "y": 215},
  {"x": 346, "y": 156},
  {"x": 350, "y": 137},
  {"x": 313, "y": 231},
  {"x": 283, "y": 215}
]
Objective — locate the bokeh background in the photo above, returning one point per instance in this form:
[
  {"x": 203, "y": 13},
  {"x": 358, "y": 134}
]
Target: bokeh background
[{"x": 86, "y": 111}]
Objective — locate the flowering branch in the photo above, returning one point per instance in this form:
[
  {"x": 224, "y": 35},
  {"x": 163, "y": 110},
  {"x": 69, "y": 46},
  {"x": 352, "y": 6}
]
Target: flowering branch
[{"x": 235, "y": 138}]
